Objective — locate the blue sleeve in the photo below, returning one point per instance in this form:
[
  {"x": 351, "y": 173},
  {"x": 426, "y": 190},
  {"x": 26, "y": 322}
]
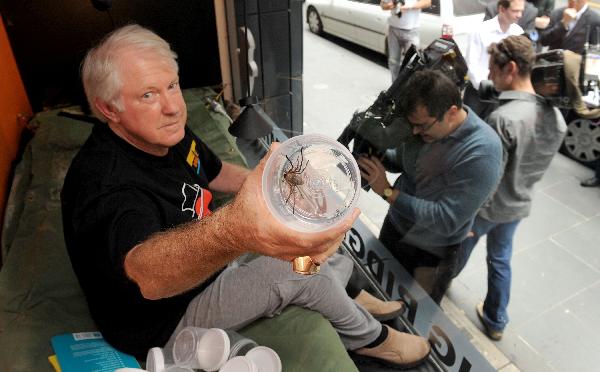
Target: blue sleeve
[{"x": 467, "y": 187}]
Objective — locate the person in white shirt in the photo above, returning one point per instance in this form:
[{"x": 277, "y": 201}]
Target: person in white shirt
[
  {"x": 491, "y": 31},
  {"x": 403, "y": 29}
]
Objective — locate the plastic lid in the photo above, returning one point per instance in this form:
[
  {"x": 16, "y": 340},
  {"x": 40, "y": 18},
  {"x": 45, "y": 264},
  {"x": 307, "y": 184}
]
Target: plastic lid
[
  {"x": 311, "y": 182},
  {"x": 239, "y": 364},
  {"x": 265, "y": 358},
  {"x": 155, "y": 360},
  {"x": 213, "y": 349}
]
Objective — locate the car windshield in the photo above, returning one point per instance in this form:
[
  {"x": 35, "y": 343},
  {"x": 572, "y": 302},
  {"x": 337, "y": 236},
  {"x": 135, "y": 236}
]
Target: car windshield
[{"x": 469, "y": 7}]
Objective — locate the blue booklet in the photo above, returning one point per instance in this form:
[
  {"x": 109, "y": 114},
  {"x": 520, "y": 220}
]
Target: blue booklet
[{"x": 89, "y": 352}]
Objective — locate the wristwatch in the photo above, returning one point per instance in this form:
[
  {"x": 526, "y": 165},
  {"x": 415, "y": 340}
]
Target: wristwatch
[{"x": 387, "y": 192}]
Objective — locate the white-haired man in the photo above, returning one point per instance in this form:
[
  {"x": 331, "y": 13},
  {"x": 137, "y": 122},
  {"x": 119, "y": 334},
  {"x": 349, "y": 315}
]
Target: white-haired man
[{"x": 148, "y": 264}]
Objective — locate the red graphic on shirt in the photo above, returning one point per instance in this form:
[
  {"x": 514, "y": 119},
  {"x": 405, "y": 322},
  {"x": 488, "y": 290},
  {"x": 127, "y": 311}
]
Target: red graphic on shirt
[{"x": 196, "y": 200}]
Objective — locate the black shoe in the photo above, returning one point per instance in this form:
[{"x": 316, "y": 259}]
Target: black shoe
[{"x": 592, "y": 182}]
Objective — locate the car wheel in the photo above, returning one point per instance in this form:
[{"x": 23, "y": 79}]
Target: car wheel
[
  {"x": 314, "y": 21},
  {"x": 582, "y": 141}
]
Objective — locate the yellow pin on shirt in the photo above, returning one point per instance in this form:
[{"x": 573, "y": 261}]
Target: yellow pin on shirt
[{"x": 192, "y": 157}]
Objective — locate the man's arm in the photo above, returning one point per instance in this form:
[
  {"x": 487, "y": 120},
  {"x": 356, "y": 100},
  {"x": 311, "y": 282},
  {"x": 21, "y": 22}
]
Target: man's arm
[
  {"x": 527, "y": 21},
  {"x": 174, "y": 261},
  {"x": 421, "y": 4},
  {"x": 554, "y": 34},
  {"x": 230, "y": 178},
  {"x": 467, "y": 187}
]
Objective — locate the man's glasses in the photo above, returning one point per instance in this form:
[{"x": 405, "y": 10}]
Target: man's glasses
[{"x": 422, "y": 127}]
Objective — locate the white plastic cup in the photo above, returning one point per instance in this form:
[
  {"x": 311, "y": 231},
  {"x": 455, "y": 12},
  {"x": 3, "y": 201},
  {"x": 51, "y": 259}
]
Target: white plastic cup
[
  {"x": 159, "y": 361},
  {"x": 239, "y": 345},
  {"x": 265, "y": 358},
  {"x": 239, "y": 364},
  {"x": 201, "y": 348},
  {"x": 156, "y": 360}
]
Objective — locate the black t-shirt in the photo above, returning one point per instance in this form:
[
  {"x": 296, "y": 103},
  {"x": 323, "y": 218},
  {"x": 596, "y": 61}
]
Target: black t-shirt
[{"x": 114, "y": 197}]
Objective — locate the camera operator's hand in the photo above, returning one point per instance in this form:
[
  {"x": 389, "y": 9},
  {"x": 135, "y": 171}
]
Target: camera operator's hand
[{"x": 372, "y": 170}]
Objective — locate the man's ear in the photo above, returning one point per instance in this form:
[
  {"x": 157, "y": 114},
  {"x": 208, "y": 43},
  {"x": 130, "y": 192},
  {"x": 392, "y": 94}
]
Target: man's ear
[
  {"x": 512, "y": 68},
  {"x": 109, "y": 111}
]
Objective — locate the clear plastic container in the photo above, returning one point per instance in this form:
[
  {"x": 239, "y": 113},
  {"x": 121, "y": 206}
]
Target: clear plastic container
[
  {"x": 159, "y": 361},
  {"x": 201, "y": 348},
  {"x": 239, "y": 345},
  {"x": 311, "y": 182}
]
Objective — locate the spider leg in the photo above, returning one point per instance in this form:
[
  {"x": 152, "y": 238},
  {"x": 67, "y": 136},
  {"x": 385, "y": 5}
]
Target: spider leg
[
  {"x": 290, "y": 194},
  {"x": 291, "y": 164},
  {"x": 305, "y": 165},
  {"x": 294, "y": 204}
]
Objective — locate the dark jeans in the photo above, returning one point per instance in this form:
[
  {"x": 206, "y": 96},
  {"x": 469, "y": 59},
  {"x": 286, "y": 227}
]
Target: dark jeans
[
  {"x": 433, "y": 273},
  {"x": 499, "y": 253}
]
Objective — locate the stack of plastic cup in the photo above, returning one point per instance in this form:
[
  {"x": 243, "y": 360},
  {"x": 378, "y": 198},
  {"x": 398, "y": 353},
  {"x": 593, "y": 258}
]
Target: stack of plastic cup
[
  {"x": 239, "y": 345},
  {"x": 213, "y": 349},
  {"x": 258, "y": 359},
  {"x": 201, "y": 348}
]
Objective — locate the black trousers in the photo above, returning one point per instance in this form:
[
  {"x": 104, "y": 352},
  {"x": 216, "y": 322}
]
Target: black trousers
[{"x": 432, "y": 272}]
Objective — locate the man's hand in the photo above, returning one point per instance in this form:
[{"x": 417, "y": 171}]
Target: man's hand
[
  {"x": 254, "y": 229},
  {"x": 373, "y": 171},
  {"x": 569, "y": 15},
  {"x": 387, "y": 4},
  {"x": 542, "y": 22}
]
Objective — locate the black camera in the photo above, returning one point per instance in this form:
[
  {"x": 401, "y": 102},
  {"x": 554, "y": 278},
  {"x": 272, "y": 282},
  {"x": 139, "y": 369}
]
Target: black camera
[
  {"x": 383, "y": 125},
  {"x": 397, "y": 11},
  {"x": 547, "y": 77}
]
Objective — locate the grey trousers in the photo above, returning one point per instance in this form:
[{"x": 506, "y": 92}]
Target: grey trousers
[
  {"x": 264, "y": 286},
  {"x": 399, "y": 40}
]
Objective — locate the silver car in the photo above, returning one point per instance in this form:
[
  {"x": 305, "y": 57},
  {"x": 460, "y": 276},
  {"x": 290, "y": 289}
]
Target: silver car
[{"x": 364, "y": 22}]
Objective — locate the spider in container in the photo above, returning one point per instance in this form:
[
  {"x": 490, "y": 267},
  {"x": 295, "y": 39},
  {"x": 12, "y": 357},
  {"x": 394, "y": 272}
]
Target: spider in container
[{"x": 292, "y": 176}]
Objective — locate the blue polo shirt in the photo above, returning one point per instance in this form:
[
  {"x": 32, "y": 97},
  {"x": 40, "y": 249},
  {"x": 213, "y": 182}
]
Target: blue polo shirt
[{"x": 444, "y": 183}]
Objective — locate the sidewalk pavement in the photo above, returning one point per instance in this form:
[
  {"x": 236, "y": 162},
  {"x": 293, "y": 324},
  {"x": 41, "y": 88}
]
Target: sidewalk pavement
[{"x": 555, "y": 298}]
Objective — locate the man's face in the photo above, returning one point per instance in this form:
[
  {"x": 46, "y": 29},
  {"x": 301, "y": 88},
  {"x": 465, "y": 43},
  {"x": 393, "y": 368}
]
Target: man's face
[
  {"x": 429, "y": 128},
  {"x": 154, "y": 113},
  {"x": 513, "y": 13},
  {"x": 577, "y": 4}
]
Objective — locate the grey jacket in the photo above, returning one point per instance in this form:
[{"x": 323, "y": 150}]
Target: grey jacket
[{"x": 531, "y": 131}]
